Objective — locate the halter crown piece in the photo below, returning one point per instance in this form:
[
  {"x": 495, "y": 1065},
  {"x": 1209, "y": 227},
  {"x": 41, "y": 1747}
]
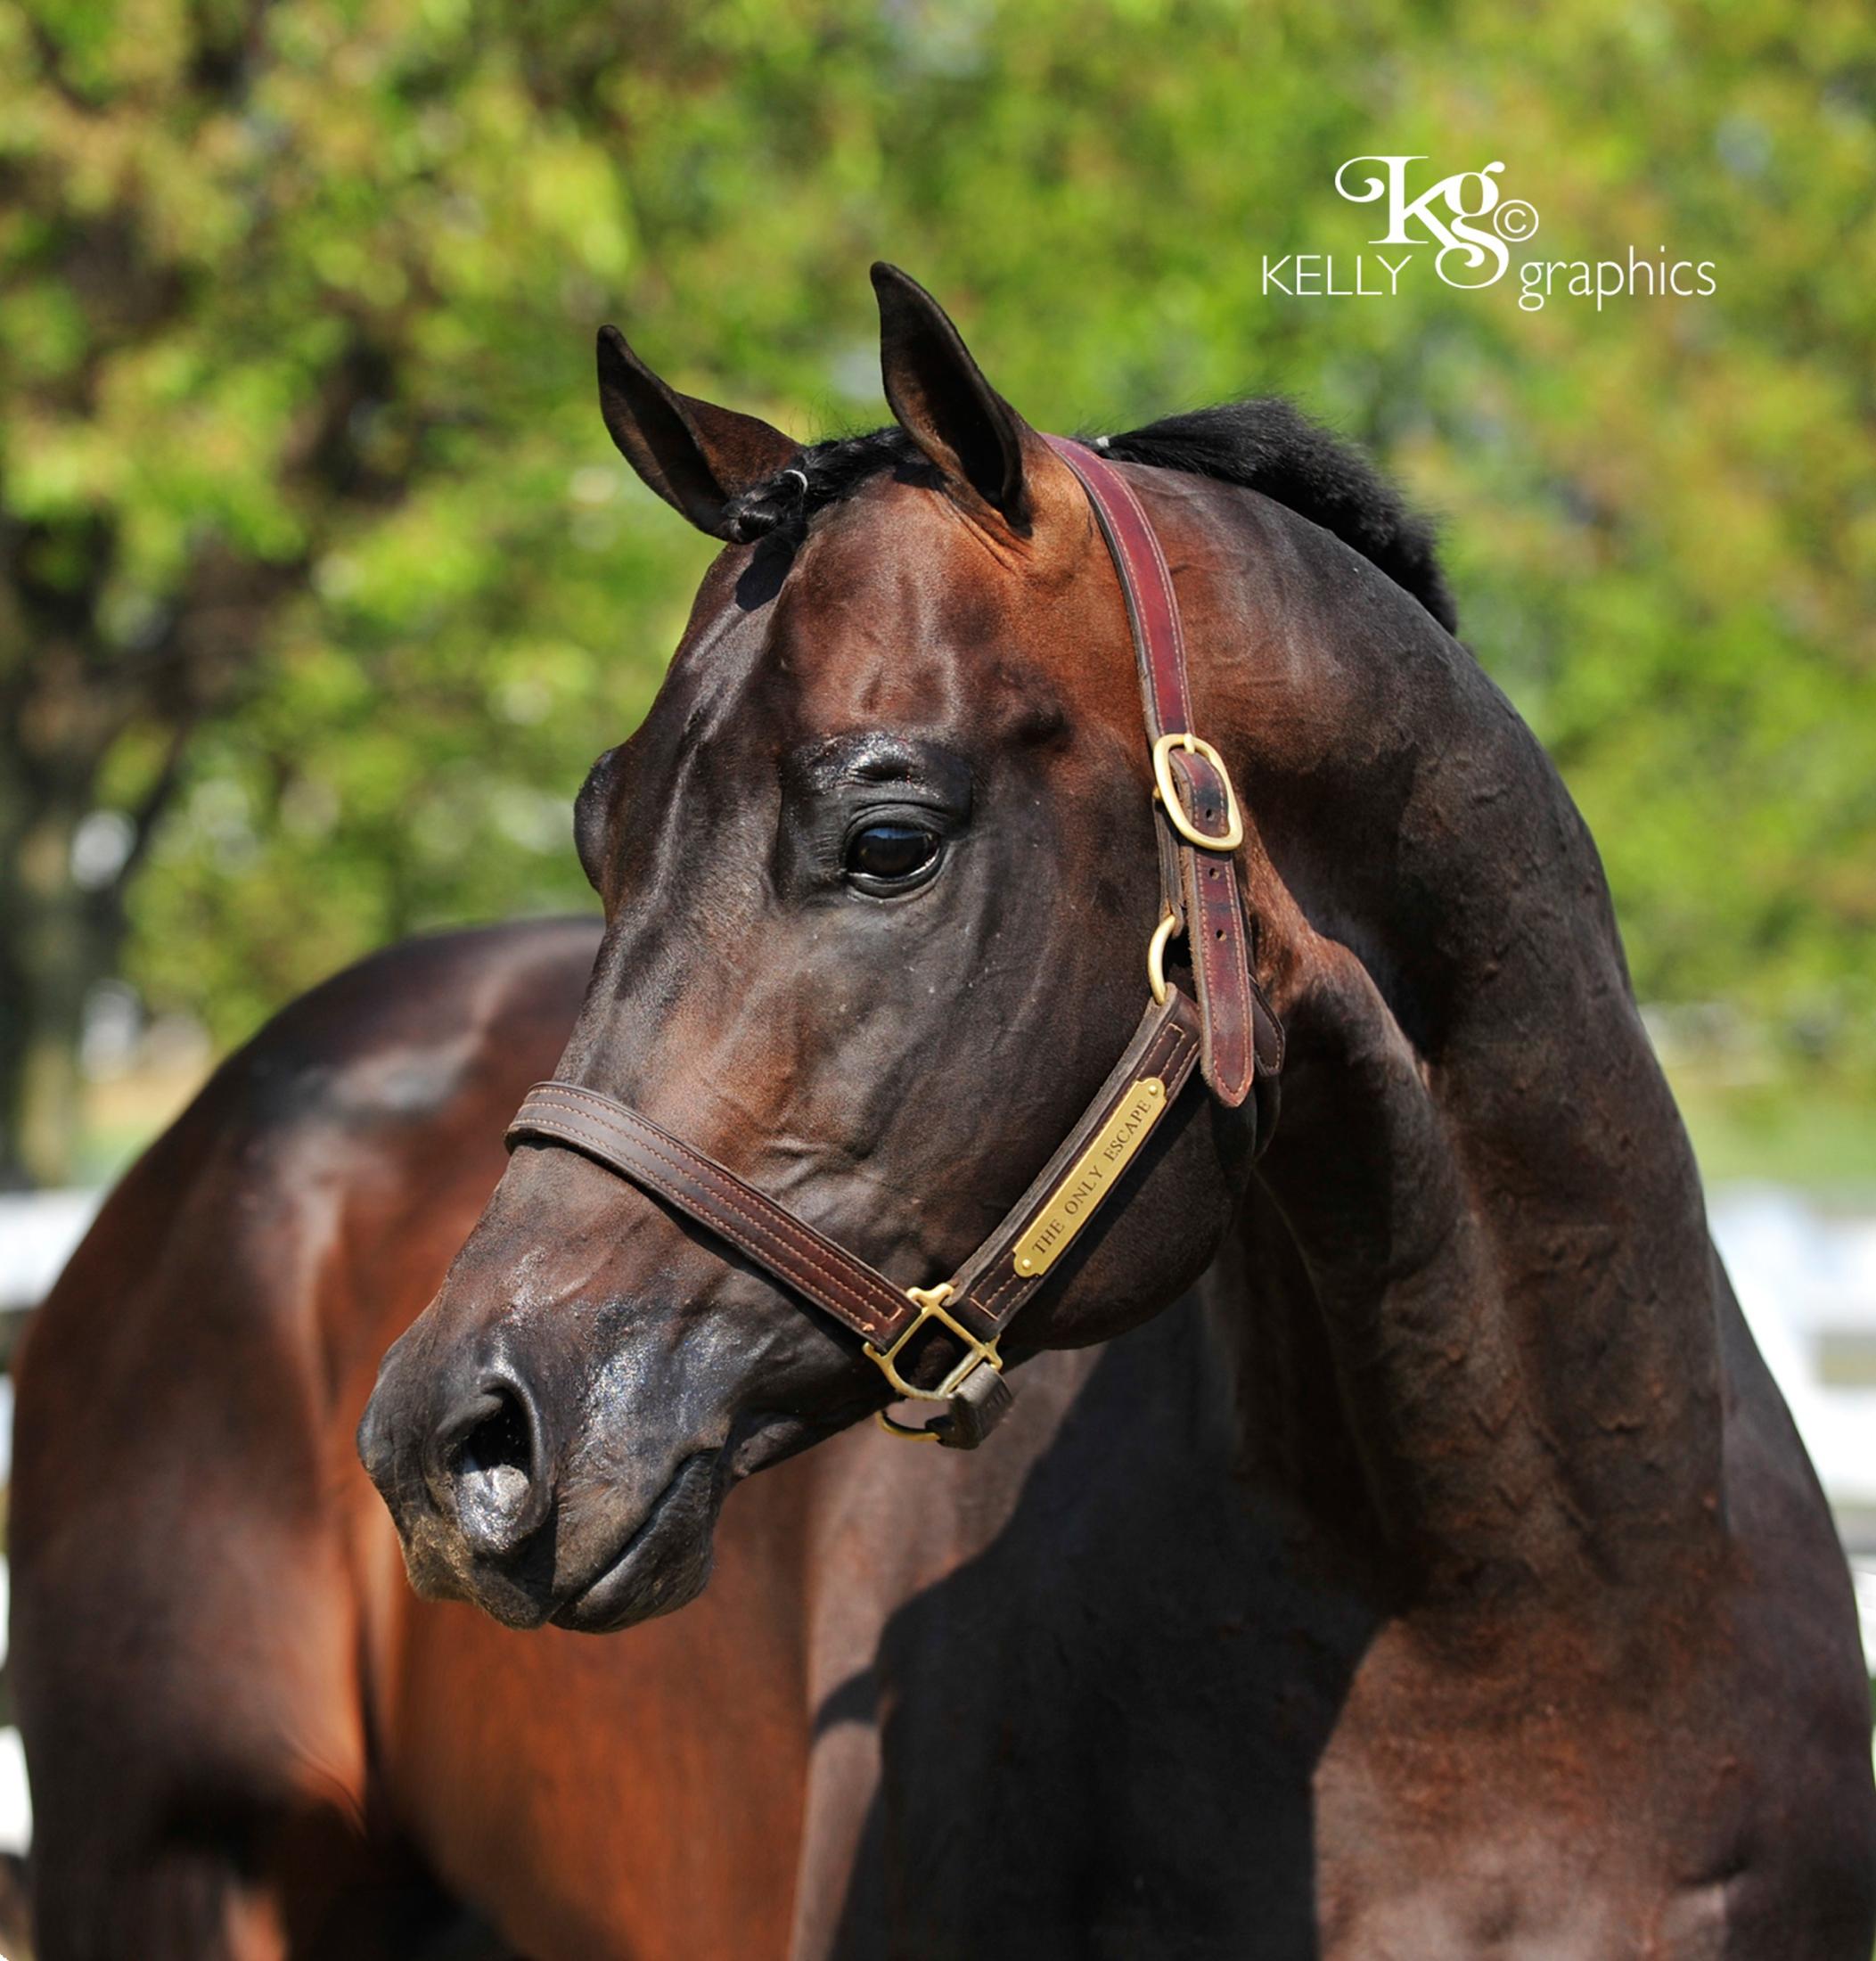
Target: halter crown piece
[{"x": 1229, "y": 1035}]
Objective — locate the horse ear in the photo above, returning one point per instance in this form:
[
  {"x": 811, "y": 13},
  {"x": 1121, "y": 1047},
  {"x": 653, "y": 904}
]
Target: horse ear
[
  {"x": 940, "y": 398},
  {"x": 698, "y": 457}
]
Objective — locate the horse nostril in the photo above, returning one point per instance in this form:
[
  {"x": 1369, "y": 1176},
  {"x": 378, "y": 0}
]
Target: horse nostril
[
  {"x": 492, "y": 1464},
  {"x": 497, "y": 1456}
]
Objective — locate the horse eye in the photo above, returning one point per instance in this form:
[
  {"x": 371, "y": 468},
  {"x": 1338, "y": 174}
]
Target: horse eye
[{"x": 891, "y": 854}]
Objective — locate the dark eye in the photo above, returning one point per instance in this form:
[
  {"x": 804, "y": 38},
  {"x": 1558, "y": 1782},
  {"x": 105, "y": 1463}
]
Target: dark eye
[{"x": 890, "y": 854}]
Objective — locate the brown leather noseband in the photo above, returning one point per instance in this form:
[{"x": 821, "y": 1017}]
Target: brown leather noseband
[{"x": 1230, "y": 1034}]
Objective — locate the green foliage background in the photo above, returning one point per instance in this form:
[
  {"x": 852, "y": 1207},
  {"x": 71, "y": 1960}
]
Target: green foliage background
[{"x": 310, "y": 291}]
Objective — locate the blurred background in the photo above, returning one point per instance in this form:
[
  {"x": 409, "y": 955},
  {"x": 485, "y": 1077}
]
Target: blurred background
[{"x": 320, "y": 584}]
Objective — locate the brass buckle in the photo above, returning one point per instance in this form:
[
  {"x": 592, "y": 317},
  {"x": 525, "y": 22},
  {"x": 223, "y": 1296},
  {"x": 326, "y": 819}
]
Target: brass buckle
[
  {"x": 930, "y": 1304},
  {"x": 1163, "y": 787}
]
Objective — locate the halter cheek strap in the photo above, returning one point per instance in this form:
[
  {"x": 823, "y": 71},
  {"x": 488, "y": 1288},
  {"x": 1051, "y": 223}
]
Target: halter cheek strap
[
  {"x": 1203, "y": 827},
  {"x": 1229, "y": 1035}
]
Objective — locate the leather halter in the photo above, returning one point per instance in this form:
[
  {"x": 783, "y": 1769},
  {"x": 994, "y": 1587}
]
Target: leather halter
[{"x": 1229, "y": 1035}]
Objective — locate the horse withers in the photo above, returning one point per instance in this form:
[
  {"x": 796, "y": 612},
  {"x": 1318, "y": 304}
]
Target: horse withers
[{"x": 880, "y": 871}]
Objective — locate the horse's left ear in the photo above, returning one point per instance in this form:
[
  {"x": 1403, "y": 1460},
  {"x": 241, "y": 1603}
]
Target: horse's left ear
[
  {"x": 940, "y": 398},
  {"x": 697, "y": 456}
]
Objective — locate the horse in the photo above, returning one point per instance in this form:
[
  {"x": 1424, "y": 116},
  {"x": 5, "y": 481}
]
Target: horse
[
  {"x": 247, "y": 1739},
  {"x": 241, "y": 1741},
  {"x": 1564, "y": 1647}
]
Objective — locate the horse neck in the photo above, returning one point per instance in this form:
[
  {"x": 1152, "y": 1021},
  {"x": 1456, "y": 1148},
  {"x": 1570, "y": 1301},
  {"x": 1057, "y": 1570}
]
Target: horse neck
[{"x": 1479, "y": 1213}]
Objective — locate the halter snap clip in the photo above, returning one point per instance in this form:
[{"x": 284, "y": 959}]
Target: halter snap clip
[{"x": 930, "y": 1304}]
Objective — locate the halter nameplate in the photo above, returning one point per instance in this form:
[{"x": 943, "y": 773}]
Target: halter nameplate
[
  {"x": 1228, "y": 1030},
  {"x": 1094, "y": 1174}
]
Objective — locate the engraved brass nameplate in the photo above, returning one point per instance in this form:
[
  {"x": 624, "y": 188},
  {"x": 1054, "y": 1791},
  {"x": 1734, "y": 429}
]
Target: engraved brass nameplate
[{"x": 1091, "y": 1177}]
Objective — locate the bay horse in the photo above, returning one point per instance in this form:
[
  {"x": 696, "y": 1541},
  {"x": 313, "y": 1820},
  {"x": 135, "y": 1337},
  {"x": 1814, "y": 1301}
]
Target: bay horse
[
  {"x": 247, "y": 1739},
  {"x": 1564, "y": 1646}
]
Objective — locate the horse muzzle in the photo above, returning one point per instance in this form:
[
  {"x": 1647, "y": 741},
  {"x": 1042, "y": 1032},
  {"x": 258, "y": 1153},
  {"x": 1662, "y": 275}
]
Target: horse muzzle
[{"x": 493, "y": 1507}]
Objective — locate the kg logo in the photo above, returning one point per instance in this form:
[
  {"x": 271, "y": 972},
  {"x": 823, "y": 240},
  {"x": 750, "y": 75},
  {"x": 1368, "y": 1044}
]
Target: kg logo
[
  {"x": 1471, "y": 226},
  {"x": 1445, "y": 214}
]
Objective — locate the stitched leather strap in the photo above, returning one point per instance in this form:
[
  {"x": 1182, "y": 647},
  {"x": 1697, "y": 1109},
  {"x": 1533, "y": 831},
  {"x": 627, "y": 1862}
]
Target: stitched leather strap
[
  {"x": 1199, "y": 887},
  {"x": 987, "y": 1290},
  {"x": 990, "y": 1287},
  {"x": 604, "y": 1128}
]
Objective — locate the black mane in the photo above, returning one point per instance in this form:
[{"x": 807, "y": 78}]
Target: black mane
[{"x": 1265, "y": 445}]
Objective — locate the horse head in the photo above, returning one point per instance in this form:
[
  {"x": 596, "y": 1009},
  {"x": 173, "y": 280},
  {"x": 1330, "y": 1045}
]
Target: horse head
[
  {"x": 879, "y": 872},
  {"x": 880, "y": 869}
]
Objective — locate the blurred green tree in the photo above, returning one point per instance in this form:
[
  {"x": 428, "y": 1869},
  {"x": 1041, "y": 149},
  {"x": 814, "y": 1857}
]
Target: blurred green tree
[{"x": 319, "y": 584}]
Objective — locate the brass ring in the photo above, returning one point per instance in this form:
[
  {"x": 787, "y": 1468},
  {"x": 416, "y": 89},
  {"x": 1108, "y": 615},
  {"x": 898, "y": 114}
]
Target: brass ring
[
  {"x": 923, "y": 1433},
  {"x": 1156, "y": 957},
  {"x": 930, "y": 1303}
]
